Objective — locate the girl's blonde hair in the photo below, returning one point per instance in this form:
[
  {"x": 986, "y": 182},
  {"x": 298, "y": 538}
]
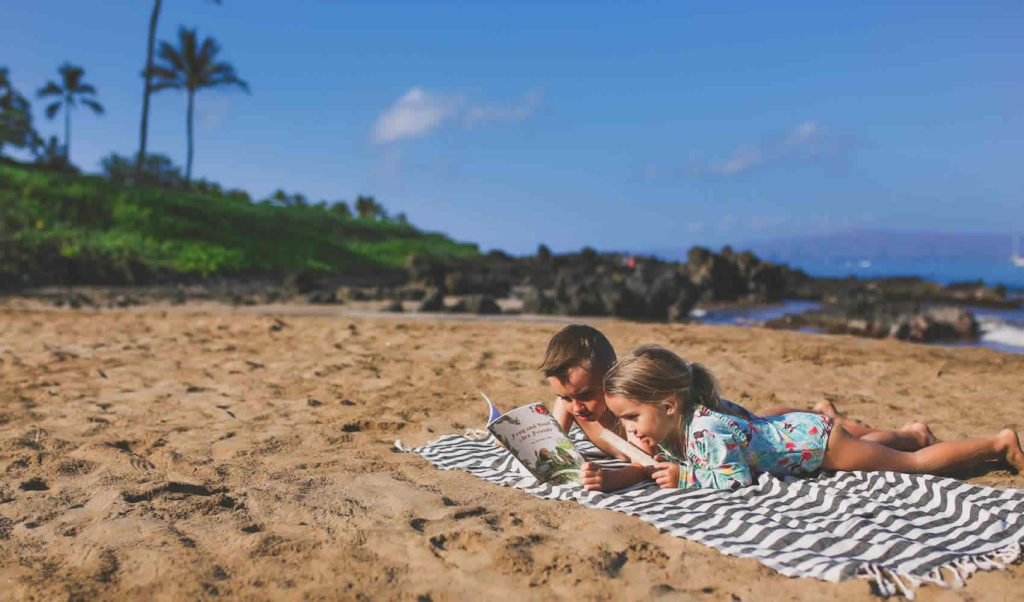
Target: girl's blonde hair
[{"x": 652, "y": 374}]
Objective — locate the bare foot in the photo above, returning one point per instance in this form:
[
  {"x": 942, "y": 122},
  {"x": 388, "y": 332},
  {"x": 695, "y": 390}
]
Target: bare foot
[
  {"x": 1014, "y": 455},
  {"x": 825, "y": 407},
  {"x": 921, "y": 433}
]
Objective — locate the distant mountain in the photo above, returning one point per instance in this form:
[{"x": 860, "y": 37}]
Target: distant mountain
[
  {"x": 876, "y": 244},
  {"x": 944, "y": 257}
]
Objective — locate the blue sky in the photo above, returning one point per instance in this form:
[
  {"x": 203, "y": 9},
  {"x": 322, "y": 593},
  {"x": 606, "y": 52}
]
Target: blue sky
[{"x": 648, "y": 126}]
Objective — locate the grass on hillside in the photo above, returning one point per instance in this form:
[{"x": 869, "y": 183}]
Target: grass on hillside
[{"x": 59, "y": 228}]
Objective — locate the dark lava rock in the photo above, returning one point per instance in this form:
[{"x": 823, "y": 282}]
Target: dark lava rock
[
  {"x": 433, "y": 301},
  {"x": 935, "y": 325},
  {"x": 536, "y": 302},
  {"x": 394, "y": 306},
  {"x": 322, "y": 297},
  {"x": 477, "y": 304}
]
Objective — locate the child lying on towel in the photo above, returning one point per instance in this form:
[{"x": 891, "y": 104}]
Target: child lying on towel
[
  {"x": 575, "y": 364},
  {"x": 669, "y": 404}
]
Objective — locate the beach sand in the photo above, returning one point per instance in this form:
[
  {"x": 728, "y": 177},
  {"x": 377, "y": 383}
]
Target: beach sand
[{"x": 172, "y": 454}]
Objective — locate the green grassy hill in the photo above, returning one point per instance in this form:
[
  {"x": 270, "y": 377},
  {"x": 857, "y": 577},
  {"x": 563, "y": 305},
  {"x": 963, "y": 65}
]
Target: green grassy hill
[{"x": 71, "y": 229}]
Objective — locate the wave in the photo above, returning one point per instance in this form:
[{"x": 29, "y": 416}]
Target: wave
[{"x": 1001, "y": 334}]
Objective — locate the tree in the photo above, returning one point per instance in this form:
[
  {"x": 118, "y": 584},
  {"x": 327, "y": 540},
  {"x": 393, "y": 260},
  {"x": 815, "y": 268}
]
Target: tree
[
  {"x": 15, "y": 116},
  {"x": 368, "y": 208},
  {"x": 50, "y": 154},
  {"x": 147, "y": 86},
  {"x": 157, "y": 170},
  {"x": 191, "y": 67},
  {"x": 71, "y": 91},
  {"x": 340, "y": 208},
  {"x": 281, "y": 198}
]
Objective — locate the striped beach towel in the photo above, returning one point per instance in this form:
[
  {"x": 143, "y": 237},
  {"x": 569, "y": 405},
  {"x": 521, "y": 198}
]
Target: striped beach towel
[{"x": 898, "y": 530}]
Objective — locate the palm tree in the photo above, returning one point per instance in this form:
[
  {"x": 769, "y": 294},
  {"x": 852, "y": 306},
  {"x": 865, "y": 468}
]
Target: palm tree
[
  {"x": 71, "y": 91},
  {"x": 191, "y": 67},
  {"x": 147, "y": 87}
]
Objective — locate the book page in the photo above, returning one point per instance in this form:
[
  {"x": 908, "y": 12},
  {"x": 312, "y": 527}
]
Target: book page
[{"x": 532, "y": 435}]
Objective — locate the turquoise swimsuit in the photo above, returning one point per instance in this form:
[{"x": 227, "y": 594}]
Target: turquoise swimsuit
[{"x": 726, "y": 451}]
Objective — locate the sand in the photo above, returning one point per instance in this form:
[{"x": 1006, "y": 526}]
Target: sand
[{"x": 205, "y": 452}]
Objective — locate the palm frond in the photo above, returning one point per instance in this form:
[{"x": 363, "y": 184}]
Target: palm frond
[
  {"x": 84, "y": 89},
  {"x": 164, "y": 72},
  {"x": 92, "y": 104},
  {"x": 166, "y": 85},
  {"x": 191, "y": 64},
  {"x": 187, "y": 40},
  {"x": 72, "y": 75},
  {"x": 50, "y": 89},
  {"x": 220, "y": 69},
  {"x": 52, "y": 109},
  {"x": 227, "y": 81},
  {"x": 171, "y": 55},
  {"x": 208, "y": 51}
]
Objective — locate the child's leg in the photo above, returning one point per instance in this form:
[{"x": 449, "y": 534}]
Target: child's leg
[
  {"x": 912, "y": 437},
  {"x": 846, "y": 452}
]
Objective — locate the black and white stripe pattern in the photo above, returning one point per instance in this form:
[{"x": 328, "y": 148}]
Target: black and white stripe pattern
[{"x": 897, "y": 529}]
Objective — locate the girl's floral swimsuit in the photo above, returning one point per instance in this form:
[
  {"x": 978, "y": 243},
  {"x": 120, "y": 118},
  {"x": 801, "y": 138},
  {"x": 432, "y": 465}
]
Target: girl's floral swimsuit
[{"x": 725, "y": 451}]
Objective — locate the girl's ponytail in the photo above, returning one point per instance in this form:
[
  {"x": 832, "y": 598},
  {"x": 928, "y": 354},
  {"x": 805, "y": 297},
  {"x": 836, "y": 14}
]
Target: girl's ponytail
[{"x": 703, "y": 387}]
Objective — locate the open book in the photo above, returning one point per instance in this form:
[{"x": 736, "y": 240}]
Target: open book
[{"x": 532, "y": 435}]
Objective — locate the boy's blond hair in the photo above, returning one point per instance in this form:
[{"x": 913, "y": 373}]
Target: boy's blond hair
[{"x": 577, "y": 345}]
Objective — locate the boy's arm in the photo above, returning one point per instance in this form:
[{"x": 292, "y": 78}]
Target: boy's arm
[
  {"x": 624, "y": 477},
  {"x": 561, "y": 413},
  {"x": 596, "y": 478}
]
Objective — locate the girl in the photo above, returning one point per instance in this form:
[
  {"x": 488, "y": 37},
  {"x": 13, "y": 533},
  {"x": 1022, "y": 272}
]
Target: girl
[{"x": 674, "y": 406}]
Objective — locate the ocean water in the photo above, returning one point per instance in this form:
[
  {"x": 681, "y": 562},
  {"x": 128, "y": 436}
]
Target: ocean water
[
  {"x": 945, "y": 270},
  {"x": 1001, "y": 329},
  {"x": 943, "y": 257}
]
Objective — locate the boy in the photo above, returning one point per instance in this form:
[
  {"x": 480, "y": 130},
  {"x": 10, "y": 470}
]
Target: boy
[{"x": 576, "y": 360}]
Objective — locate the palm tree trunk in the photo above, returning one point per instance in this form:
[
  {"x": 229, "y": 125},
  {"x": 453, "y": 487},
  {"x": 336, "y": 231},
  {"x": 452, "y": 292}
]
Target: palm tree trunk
[
  {"x": 188, "y": 163},
  {"x": 67, "y": 131},
  {"x": 147, "y": 89}
]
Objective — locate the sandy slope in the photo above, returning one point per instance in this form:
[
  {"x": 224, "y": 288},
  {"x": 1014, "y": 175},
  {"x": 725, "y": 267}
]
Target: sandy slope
[{"x": 155, "y": 455}]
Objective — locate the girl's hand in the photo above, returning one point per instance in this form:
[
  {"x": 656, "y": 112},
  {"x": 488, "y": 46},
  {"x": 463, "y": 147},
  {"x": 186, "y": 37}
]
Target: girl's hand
[
  {"x": 665, "y": 474},
  {"x": 593, "y": 476}
]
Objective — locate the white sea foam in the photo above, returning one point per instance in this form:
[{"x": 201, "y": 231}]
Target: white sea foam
[{"x": 1002, "y": 333}]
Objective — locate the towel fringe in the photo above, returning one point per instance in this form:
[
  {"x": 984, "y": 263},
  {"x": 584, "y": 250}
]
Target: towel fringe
[{"x": 889, "y": 582}]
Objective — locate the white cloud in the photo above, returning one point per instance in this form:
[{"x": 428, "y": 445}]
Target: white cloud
[
  {"x": 514, "y": 112},
  {"x": 808, "y": 139},
  {"x": 419, "y": 112},
  {"x": 746, "y": 156},
  {"x": 415, "y": 114},
  {"x": 804, "y": 133}
]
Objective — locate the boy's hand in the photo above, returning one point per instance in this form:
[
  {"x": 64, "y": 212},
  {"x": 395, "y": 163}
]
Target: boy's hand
[
  {"x": 593, "y": 476},
  {"x": 665, "y": 474}
]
